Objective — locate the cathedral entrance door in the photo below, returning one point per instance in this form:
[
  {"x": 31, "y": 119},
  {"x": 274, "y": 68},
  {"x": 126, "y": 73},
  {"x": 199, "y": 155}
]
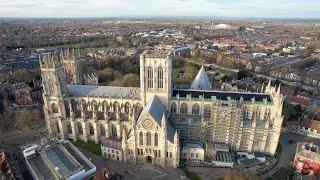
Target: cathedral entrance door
[{"x": 149, "y": 159}]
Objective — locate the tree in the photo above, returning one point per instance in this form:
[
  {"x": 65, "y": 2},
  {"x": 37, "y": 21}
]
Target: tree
[
  {"x": 27, "y": 118},
  {"x": 106, "y": 76},
  {"x": 277, "y": 83},
  {"x": 5, "y": 122},
  {"x": 22, "y": 75},
  {"x": 242, "y": 74},
  {"x": 226, "y": 78},
  {"x": 130, "y": 80}
]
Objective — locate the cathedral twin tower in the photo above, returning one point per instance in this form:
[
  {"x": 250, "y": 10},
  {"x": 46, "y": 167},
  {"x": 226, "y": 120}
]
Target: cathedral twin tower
[{"x": 152, "y": 123}]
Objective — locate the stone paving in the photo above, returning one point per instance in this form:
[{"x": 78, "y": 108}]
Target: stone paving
[{"x": 138, "y": 172}]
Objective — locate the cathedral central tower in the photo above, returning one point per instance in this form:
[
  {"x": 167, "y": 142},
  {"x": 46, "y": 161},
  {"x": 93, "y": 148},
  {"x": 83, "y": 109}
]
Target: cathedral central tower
[{"x": 155, "y": 76}]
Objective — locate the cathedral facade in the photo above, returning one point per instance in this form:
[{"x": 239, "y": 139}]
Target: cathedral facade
[{"x": 150, "y": 123}]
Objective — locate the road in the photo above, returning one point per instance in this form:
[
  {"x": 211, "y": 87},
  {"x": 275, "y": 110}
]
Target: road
[
  {"x": 288, "y": 151},
  {"x": 13, "y": 139}
]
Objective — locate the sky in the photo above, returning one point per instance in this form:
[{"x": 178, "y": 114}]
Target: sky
[{"x": 112, "y": 8}]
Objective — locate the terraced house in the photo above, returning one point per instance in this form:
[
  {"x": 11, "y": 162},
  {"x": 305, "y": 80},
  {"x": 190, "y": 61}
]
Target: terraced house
[{"x": 150, "y": 123}]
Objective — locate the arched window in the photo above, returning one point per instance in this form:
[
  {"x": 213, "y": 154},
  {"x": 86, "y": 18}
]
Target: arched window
[
  {"x": 141, "y": 138},
  {"x": 149, "y": 77},
  {"x": 70, "y": 77},
  {"x": 54, "y": 108},
  {"x": 69, "y": 128},
  {"x": 160, "y": 77},
  {"x": 80, "y": 128},
  {"x": 67, "y": 108},
  {"x": 207, "y": 113},
  {"x": 91, "y": 130},
  {"x": 173, "y": 108},
  {"x": 148, "y": 138},
  {"x": 195, "y": 109},
  {"x": 127, "y": 108},
  {"x": 104, "y": 106},
  {"x": 138, "y": 108},
  {"x": 113, "y": 131},
  {"x": 102, "y": 130},
  {"x": 115, "y": 106},
  {"x": 156, "y": 139},
  {"x": 183, "y": 108}
]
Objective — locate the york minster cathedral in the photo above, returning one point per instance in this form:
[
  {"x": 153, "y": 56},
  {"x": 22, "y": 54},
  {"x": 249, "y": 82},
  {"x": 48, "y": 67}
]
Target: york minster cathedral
[{"x": 151, "y": 123}]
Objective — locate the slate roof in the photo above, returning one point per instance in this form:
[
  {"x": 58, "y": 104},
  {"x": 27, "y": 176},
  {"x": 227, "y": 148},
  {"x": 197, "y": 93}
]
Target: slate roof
[
  {"x": 155, "y": 108},
  {"x": 156, "y": 53},
  {"x": 221, "y": 95},
  {"x": 191, "y": 145},
  {"x": 170, "y": 133},
  {"x": 201, "y": 82},
  {"x": 104, "y": 91},
  {"x": 112, "y": 143}
]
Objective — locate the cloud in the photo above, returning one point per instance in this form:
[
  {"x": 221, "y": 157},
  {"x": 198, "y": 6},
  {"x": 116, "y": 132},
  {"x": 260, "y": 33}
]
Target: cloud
[{"x": 103, "y": 8}]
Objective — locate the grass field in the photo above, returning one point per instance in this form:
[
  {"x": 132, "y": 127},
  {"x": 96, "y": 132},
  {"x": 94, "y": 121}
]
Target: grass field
[
  {"x": 190, "y": 174},
  {"x": 90, "y": 146}
]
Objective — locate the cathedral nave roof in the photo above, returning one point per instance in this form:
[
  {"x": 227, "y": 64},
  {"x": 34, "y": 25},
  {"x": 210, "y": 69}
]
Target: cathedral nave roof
[
  {"x": 221, "y": 95},
  {"x": 155, "y": 108},
  {"x": 104, "y": 91}
]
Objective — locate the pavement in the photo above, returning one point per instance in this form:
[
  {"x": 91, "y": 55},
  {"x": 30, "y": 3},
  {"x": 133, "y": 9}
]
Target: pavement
[
  {"x": 13, "y": 139},
  {"x": 288, "y": 151},
  {"x": 141, "y": 172}
]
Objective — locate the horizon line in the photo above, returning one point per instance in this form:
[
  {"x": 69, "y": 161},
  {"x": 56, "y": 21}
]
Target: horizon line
[{"x": 162, "y": 16}]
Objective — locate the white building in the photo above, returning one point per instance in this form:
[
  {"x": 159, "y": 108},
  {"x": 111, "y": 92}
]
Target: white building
[
  {"x": 57, "y": 160},
  {"x": 193, "y": 153}
]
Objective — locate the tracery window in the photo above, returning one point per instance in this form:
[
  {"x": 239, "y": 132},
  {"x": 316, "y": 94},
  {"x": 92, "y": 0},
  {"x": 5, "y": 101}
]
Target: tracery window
[
  {"x": 160, "y": 77},
  {"x": 173, "y": 108},
  {"x": 141, "y": 138},
  {"x": 149, "y": 77},
  {"x": 195, "y": 109},
  {"x": 148, "y": 138},
  {"x": 183, "y": 108}
]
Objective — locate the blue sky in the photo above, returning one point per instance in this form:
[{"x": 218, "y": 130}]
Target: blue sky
[{"x": 106, "y": 8}]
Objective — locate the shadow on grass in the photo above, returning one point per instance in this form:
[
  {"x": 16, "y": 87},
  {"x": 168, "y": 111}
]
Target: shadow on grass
[
  {"x": 190, "y": 174},
  {"x": 89, "y": 146}
]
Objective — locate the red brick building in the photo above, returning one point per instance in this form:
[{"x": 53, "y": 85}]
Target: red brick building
[{"x": 307, "y": 159}]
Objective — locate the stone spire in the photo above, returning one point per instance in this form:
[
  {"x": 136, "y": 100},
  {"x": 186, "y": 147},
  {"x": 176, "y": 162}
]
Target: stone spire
[
  {"x": 278, "y": 91},
  {"x": 269, "y": 84},
  {"x": 176, "y": 138},
  {"x": 262, "y": 88},
  {"x": 201, "y": 82}
]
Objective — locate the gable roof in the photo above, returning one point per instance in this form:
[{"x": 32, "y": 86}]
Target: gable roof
[
  {"x": 201, "y": 82},
  {"x": 170, "y": 133},
  {"x": 104, "y": 91},
  {"x": 155, "y": 108}
]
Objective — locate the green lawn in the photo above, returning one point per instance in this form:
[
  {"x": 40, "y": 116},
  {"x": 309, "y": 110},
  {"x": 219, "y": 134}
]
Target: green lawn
[
  {"x": 90, "y": 146},
  {"x": 191, "y": 175}
]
